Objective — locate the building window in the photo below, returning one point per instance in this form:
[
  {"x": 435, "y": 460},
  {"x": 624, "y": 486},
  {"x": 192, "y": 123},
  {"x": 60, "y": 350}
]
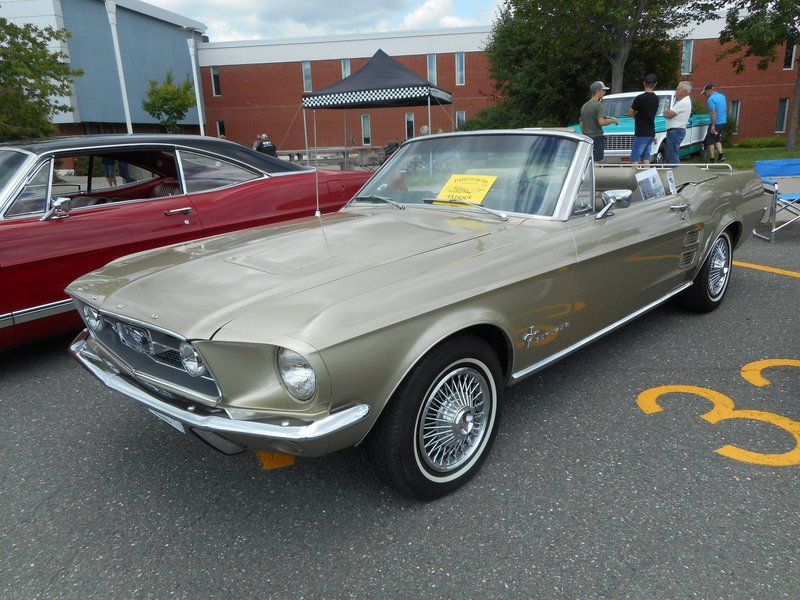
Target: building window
[
  {"x": 366, "y": 132},
  {"x": 307, "y": 76},
  {"x": 780, "y": 121},
  {"x": 789, "y": 56},
  {"x": 409, "y": 125},
  {"x": 686, "y": 57},
  {"x": 734, "y": 114},
  {"x": 461, "y": 118},
  {"x": 432, "y": 68},
  {"x": 460, "y": 74},
  {"x": 345, "y": 68},
  {"x": 215, "y": 87},
  {"x": 221, "y": 129}
]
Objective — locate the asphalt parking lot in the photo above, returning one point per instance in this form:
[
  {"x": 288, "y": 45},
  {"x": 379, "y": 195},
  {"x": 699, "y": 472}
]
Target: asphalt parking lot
[{"x": 589, "y": 492}]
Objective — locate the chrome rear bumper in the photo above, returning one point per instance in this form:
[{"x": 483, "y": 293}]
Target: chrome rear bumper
[{"x": 311, "y": 439}]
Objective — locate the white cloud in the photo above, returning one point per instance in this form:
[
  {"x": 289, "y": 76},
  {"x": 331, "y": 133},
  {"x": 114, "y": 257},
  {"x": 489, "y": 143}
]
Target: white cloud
[{"x": 228, "y": 20}]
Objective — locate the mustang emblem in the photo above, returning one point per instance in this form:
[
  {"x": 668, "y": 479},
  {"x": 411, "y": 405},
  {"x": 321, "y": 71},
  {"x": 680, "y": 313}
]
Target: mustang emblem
[{"x": 535, "y": 336}]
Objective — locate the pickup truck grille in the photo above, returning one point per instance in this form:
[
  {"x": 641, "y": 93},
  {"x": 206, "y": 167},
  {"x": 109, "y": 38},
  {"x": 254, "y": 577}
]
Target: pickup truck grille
[{"x": 619, "y": 142}]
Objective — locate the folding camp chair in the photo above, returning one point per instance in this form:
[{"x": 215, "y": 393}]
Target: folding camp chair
[{"x": 783, "y": 205}]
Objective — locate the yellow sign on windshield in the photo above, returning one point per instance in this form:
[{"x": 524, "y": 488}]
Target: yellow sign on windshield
[{"x": 471, "y": 188}]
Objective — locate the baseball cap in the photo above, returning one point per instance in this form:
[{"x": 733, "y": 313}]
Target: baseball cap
[
  {"x": 597, "y": 86},
  {"x": 709, "y": 87},
  {"x": 651, "y": 79}
]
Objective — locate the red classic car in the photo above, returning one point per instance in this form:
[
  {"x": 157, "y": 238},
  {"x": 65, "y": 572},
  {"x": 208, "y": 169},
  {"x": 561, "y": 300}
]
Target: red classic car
[{"x": 70, "y": 205}]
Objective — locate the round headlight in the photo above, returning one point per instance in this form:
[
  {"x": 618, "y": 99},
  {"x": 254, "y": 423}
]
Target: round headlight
[
  {"x": 93, "y": 318},
  {"x": 191, "y": 360},
  {"x": 297, "y": 374}
]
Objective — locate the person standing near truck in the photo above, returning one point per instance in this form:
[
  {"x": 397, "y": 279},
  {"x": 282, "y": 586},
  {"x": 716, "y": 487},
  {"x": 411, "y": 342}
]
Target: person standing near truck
[
  {"x": 718, "y": 109},
  {"x": 677, "y": 119},
  {"x": 643, "y": 110},
  {"x": 593, "y": 117}
]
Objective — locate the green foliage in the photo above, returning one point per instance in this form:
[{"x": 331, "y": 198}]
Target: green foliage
[
  {"x": 544, "y": 54},
  {"x": 32, "y": 77},
  {"x": 776, "y": 141},
  {"x": 168, "y": 103},
  {"x": 497, "y": 116}
]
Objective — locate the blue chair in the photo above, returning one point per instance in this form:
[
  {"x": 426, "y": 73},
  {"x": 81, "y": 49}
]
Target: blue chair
[{"x": 788, "y": 204}]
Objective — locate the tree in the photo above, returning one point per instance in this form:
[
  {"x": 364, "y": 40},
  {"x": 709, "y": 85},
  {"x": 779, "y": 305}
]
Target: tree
[
  {"x": 758, "y": 28},
  {"x": 543, "y": 56},
  {"x": 32, "y": 79},
  {"x": 168, "y": 103}
]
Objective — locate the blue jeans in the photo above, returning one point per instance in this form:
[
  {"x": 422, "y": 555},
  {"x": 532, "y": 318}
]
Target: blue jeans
[
  {"x": 674, "y": 138},
  {"x": 641, "y": 148}
]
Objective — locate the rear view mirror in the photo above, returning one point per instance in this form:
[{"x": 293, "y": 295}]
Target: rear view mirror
[{"x": 59, "y": 209}]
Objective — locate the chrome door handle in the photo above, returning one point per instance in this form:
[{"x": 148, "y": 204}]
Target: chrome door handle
[
  {"x": 179, "y": 211},
  {"x": 682, "y": 206}
]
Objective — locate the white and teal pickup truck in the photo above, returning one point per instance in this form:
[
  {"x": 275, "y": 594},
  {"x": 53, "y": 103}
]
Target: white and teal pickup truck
[{"x": 619, "y": 138}]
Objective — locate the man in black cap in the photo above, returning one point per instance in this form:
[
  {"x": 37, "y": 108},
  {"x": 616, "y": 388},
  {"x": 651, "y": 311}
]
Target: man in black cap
[
  {"x": 718, "y": 109},
  {"x": 643, "y": 110},
  {"x": 593, "y": 117}
]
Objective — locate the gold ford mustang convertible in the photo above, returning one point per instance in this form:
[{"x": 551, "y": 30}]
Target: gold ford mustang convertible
[{"x": 466, "y": 263}]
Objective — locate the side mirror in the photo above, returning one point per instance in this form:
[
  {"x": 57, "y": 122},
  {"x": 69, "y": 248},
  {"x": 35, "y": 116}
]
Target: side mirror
[
  {"x": 59, "y": 209},
  {"x": 618, "y": 198}
]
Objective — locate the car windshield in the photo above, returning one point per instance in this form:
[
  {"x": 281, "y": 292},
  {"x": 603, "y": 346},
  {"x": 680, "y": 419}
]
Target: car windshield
[
  {"x": 10, "y": 161},
  {"x": 509, "y": 172},
  {"x": 618, "y": 107}
]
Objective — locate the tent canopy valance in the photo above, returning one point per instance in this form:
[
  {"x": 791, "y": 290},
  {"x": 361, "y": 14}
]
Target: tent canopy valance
[{"x": 382, "y": 82}]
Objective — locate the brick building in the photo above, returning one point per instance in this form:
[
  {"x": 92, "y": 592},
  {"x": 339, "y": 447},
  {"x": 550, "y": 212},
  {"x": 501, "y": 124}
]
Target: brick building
[
  {"x": 759, "y": 101},
  {"x": 257, "y": 86}
]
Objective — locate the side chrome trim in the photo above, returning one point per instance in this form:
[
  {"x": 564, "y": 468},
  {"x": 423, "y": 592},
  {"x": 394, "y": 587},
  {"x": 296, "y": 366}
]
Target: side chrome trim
[
  {"x": 519, "y": 375},
  {"x": 297, "y": 433},
  {"x": 40, "y": 312},
  {"x": 6, "y": 320}
]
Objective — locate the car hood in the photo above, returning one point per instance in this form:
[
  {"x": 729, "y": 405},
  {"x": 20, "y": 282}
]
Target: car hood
[{"x": 334, "y": 273}]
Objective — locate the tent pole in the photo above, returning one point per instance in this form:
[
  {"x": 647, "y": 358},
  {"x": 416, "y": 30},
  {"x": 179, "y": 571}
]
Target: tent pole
[
  {"x": 346, "y": 153},
  {"x": 430, "y": 128},
  {"x": 305, "y": 136},
  {"x": 316, "y": 164}
]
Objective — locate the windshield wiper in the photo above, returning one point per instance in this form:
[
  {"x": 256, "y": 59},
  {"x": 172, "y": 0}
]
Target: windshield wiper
[
  {"x": 382, "y": 199},
  {"x": 497, "y": 213}
]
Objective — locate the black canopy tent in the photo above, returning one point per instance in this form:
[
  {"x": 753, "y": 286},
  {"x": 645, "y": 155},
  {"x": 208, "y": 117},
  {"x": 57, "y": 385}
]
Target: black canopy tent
[{"x": 381, "y": 83}]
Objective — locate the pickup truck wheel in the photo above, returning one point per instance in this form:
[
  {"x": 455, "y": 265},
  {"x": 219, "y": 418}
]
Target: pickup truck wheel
[
  {"x": 711, "y": 282},
  {"x": 441, "y": 421},
  {"x": 661, "y": 155}
]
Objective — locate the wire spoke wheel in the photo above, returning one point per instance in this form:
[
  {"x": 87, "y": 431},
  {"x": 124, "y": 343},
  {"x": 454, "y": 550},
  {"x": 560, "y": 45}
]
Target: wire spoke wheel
[
  {"x": 453, "y": 420},
  {"x": 440, "y": 423},
  {"x": 719, "y": 267}
]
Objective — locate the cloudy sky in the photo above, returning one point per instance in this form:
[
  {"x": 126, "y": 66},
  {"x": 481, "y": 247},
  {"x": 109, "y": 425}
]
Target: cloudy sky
[{"x": 228, "y": 20}]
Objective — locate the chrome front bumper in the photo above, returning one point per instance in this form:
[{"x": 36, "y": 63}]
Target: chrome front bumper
[{"x": 312, "y": 439}]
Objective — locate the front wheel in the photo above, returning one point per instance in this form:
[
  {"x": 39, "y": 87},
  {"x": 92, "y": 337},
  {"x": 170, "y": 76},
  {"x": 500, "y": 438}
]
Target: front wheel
[
  {"x": 441, "y": 421},
  {"x": 710, "y": 284},
  {"x": 661, "y": 156}
]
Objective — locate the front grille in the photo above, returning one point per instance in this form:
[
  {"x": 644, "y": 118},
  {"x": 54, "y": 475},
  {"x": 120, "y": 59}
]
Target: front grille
[
  {"x": 619, "y": 142},
  {"x": 154, "y": 358}
]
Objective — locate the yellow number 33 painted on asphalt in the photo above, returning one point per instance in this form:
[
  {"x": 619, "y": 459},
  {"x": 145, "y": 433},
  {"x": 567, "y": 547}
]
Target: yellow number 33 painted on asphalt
[{"x": 724, "y": 409}]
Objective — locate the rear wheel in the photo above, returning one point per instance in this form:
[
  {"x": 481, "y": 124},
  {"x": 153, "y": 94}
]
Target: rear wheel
[
  {"x": 441, "y": 422},
  {"x": 709, "y": 286}
]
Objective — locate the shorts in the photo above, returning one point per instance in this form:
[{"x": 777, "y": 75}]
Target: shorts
[
  {"x": 713, "y": 138},
  {"x": 641, "y": 148},
  {"x": 108, "y": 169},
  {"x": 599, "y": 148}
]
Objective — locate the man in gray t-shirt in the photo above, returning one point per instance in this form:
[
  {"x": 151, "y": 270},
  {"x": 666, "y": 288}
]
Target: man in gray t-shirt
[{"x": 593, "y": 118}]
